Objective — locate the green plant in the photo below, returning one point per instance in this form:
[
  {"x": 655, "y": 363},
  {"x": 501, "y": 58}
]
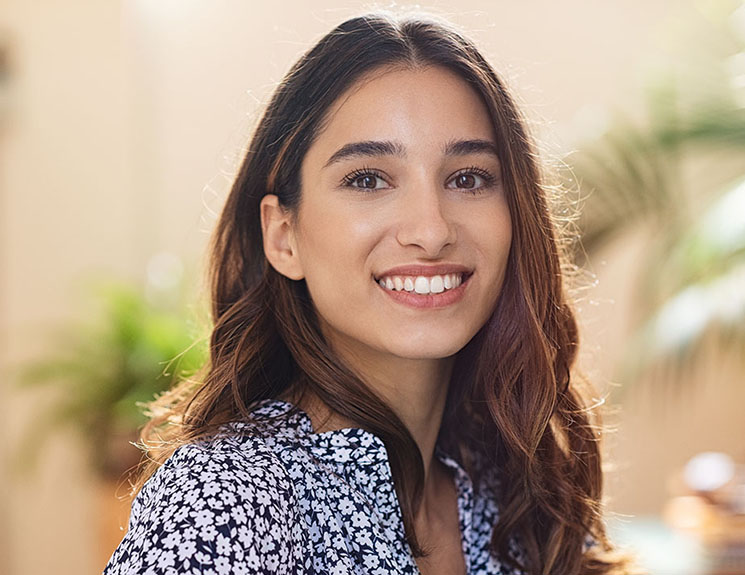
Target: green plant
[
  {"x": 692, "y": 282},
  {"x": 104, "y": 370}
]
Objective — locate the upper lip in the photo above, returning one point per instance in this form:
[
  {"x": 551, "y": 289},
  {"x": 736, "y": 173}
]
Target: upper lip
[{"x": 425, "y": 270}]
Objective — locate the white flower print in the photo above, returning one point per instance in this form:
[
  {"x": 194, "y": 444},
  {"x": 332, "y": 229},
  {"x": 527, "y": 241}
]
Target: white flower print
[
  {"x": 186, "y": 549},
  {"x": 223, "y": 545},
  {"x": 166, "y": 559},
  {"x": 271, "y": 496},
  {"x": 172, "y": 540},
  {"x": 208, "y": 533},
  {"x": 238, "y": 514},
  {"x": 203, "y": 517}
]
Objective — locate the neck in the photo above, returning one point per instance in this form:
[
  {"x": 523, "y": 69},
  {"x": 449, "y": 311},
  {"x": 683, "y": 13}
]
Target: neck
[{"x": 416, "y": 390}]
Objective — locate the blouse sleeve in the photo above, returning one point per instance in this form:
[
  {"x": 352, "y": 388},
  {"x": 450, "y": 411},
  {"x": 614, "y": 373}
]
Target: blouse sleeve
[{"x": 211, "y": 511}]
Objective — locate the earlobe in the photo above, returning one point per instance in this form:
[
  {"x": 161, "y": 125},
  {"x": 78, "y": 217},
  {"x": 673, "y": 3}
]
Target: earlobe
[{"x": 278, "y": 235}]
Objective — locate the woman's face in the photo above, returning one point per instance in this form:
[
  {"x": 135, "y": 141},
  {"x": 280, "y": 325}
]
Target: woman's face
[{"x": 403, "y": 230}]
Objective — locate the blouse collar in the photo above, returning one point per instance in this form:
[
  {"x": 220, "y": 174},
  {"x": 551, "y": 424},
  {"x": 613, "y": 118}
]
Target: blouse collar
[
  {"x": 362, "y": 458},
  {"x": 332, "y": 446}
]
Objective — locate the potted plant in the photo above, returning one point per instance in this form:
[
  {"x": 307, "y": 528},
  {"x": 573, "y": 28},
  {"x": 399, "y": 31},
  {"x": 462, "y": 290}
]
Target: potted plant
[{"x": 103, "y": 372}]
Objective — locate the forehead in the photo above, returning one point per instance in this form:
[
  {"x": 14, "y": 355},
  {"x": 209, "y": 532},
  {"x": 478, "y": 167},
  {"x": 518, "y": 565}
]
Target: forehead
[{"x": 416, "y": 106}]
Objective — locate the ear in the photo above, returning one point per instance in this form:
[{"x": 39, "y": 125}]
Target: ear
[{"x": 278, "y": 234}]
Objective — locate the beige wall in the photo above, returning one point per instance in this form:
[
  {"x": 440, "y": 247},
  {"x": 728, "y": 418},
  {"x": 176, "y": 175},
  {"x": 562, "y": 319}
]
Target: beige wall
[
  {"x": 66, "y": 211},
  {"x": 125, "y": 111}
]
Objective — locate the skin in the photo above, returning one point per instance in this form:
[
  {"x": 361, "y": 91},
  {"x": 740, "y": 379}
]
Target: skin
[{"x": 426, "y": 207}]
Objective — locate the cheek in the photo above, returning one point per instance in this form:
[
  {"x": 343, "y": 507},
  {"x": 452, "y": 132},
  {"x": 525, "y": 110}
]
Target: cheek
[
  {"x": 333, "y": 220},
  {"x": 495, "y": 241},
  {"x": 334, "y": 245},
  {"x": 504, "y": 243},
  {"x": 493, "y": 229}
]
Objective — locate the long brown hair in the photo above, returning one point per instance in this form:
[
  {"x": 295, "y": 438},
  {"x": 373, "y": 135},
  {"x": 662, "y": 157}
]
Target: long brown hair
[{"x": 513, "y": 400}]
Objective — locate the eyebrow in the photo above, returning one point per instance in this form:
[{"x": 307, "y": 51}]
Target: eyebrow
[
  {"x": 372, "y": 148},
  {"x": 465, "y": 147}
]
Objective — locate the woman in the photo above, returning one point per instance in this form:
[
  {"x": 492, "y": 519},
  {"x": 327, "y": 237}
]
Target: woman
[{"x": 389, "y": 387}]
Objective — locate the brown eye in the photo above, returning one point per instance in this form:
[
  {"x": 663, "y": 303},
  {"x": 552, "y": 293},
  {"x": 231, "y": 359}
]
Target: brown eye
[
  {"x": 365, "y": 179},
  {"x": 474, "y": 180},
  {"x": 465, "y": 181},
  {"x": 368, "y": 182}
]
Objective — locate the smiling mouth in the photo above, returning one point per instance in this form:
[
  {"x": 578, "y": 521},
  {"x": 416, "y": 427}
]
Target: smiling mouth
[{"x": 423, "y": 285}]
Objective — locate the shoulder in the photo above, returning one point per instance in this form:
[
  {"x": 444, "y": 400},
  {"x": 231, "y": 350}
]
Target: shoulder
[
  {"x": 227, "y": 461},
  {"x": 226, "y": 504}
]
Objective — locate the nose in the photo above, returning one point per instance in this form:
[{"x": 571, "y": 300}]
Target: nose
[{"x": 425, "y": 220}]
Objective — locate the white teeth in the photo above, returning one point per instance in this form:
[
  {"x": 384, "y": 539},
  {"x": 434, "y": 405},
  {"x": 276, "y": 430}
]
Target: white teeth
[
  {"x": 436, "y": 284},
  {"x": 422, "y": 284}
]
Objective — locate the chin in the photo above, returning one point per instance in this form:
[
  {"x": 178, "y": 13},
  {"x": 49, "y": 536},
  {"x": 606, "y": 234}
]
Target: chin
[{"x": 428, "y": 349}]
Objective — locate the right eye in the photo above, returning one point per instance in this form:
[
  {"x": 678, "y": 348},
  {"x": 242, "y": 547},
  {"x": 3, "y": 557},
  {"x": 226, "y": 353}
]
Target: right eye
[{"x": 365, "y": 179}]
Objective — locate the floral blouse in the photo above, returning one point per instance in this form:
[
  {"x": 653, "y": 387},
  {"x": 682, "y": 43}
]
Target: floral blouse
[{"x": 283, "y": 499}]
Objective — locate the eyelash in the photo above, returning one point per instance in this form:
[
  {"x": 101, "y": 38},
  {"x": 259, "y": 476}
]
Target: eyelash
[
  {"x": 353, "y": 176},
  {"x": 487, "y": 176}
]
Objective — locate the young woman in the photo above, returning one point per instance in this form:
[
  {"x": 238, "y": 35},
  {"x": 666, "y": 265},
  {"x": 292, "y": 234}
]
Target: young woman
[{"x": 389, "y": 388}]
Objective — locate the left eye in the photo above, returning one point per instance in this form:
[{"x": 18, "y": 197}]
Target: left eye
[{"x": 470, "y": 180}]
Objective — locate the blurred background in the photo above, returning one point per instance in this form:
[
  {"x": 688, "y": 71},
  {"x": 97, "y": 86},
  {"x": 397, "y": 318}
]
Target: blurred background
[{"x": 122, "y": 125}]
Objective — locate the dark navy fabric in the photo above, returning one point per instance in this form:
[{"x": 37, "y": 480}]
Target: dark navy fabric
[{"x": 272, "y": 496}]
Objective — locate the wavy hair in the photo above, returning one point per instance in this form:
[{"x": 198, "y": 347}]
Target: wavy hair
[{"x": 513, "y": 400}]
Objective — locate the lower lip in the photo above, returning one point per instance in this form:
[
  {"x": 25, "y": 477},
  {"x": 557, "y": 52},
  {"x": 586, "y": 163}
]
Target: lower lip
[{"x": 429, "y": 301}]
